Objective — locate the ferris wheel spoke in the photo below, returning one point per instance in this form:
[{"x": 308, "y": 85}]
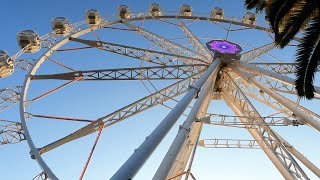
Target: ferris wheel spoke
[
  {"x": 280, "y": 77},
  {"x": 60, "y": 64},
  {"x": 256, "y": 52},
  {"x": 10, "y": 132},
  {"x": 265, "y": 136},
  {"x": 30, "y": 115},
  {"x": 52, "y": 91},
  {"x": 91, "y": 152},
  {"x": 252, "y": 91},
  {"x": 155, "y": 57},
  {"x": 279, "y": 86},
  {"x": 302, "y": 113},
  {"x": 195, "y": 42},
  {"x": 281, "y": 68},
  {"x": 139, "y": 106},
  {"x": 255, "y": 93},
  {"x": 168, "y": 45},
  {"x": 140, "y": 73}
]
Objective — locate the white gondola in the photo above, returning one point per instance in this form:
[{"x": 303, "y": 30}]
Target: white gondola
[
  {"x": 6, "y": 64},
  {"x": 29, "y": 38},
  {"x": 217, "y": 13},
  {"x": 93, "y": 17},
  {"x": 186, "y": 10},
  {"x": 124, "y": 12},
  {"x": 61, "y": 26},
  {"x": 155, "y": 10},
  {"x": 249, "y": 18}
]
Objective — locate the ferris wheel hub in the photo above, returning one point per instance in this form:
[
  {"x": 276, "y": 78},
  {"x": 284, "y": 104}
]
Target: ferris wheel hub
[{"x": 225, "y": 50}]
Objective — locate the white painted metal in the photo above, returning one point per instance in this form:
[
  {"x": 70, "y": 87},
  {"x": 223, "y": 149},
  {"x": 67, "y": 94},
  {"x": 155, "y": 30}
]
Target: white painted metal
[
  {"x": 280, "y": 162},
  {"x": 56, "y": 44},
  {"x": 195, "y": 42},
  {"x": 181, "y": 161},
  {"x": 184, "y": 129},
  {"x": 299, "y": 156},
  {"x": 256, "y": 52},
  {"x": 228, "y": 99},
  {"x": 230, "y": 143},
  {"x": 166, "y": 44},
  {"x": 156, "y": 57},
  {"x": 234, "y": 121},
  {"x": 125, "y": 112},
  {"x": 285, "y": 79},
  {"x": 129, "y": 169},
  {"x": 303, "y": 117}
]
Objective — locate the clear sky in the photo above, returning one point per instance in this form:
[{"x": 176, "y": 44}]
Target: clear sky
[{"x": 91, "y": 100}]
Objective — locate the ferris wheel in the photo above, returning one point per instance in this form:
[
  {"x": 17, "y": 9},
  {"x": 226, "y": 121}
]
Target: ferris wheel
[{"x": 179, "y": 70}]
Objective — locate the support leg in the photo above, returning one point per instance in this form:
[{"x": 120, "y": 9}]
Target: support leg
[{"x": 129, "y": 169}]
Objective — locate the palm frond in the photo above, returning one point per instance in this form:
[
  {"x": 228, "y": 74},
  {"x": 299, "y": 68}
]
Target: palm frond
[
  {"x": 308, "y": 56},
  {"x": 303, "y": 10},
  {"x": 277, "y": 10},
  {"x": 259, "y": 5}
]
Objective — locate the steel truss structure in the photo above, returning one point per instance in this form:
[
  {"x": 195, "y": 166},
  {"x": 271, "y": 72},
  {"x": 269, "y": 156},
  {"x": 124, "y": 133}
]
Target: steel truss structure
[
  {"x": 10, "y": 132},
  {"x": 195, "y": 72}
]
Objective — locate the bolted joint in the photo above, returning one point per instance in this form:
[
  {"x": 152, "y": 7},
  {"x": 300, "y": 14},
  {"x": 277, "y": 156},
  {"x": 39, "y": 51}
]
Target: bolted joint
[
  {"x": 296, "y": 123},
  {"x": 198, "y": 91},
  {"x": 181, "y": 127}
]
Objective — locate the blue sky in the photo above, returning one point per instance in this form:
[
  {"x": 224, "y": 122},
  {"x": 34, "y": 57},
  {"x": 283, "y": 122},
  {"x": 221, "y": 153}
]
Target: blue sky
[{"x": 92, "y": 100}]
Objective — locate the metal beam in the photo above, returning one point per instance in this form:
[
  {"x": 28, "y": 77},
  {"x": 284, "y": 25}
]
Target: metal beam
[
  {"x": 279, "y": 86},
  {"x": 230, "y": 143},
  {"x": 298, "y": 110},
  {"x": 300, "y": 156},
  {"x": 234, "y": 121},
  {"x": 181, "y": 161},
  {"x": 132, "y": 109},
  {"x": 156, "y": 57},
  {"x": 10, "y": 132},
  {"x": 168, "y": 45},
  {"x": 253, "y": 144},
  {"x": 257, "y": 70},
  {"x": 139, "y": 73},
  {"x": 259, "y": 95},
  {"x": 257, "y": 52},
  {"x": 277, "y": 153},
  {"x": 184, "y": 129},
  {"x": 129, "y": 169},
  {"x": 195, "y": 42},
  {"x": 281, "y": 68}
]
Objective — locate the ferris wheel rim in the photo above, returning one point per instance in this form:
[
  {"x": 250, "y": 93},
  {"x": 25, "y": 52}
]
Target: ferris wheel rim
[{"x": 65, "y": 40}]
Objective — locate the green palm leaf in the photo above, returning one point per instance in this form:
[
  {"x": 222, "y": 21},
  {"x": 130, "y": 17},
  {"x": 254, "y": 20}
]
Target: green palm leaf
[
  {"x": 277, "y": 10},
  {"x": 259, "y": 5},
  {"x": 297, "y": 19},
  {"x": 308, "y": 57}
]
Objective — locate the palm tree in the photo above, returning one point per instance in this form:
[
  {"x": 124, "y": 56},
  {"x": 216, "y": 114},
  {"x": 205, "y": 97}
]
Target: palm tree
[{"x": 287, "y": 18}]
